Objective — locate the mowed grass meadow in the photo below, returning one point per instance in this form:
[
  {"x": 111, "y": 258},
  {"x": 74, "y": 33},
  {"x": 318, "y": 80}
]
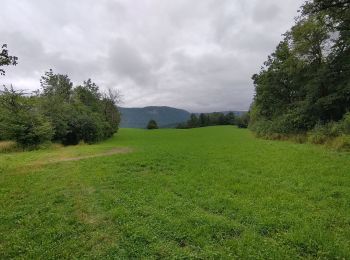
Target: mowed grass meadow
[{"x": 217, "y": 193}]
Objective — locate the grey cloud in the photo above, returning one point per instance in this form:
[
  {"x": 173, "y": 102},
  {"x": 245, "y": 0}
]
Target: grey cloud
[
  {"x": 266, "y": 11},
  {"x": 197, "y": 54},
  {"x": 128, "y": 62}
]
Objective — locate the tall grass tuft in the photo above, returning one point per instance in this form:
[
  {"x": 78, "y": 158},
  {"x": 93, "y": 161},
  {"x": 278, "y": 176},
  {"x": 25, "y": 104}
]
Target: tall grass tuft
[{"x": 8, "y": 147}]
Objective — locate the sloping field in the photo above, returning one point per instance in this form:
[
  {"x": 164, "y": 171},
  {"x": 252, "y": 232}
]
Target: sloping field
[{"x": 207, "y": 193}]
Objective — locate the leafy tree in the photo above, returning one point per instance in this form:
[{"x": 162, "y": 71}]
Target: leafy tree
[
  {"x": 55, "y": 97},
  {"x": 58, "y": 112},
  {"x": 306, "y": 80},
  {"x": 21, "y": 121},
  {"x": 88, "y": 94},
  {"x": 182, "y": 126},
  {"x": 6, "y": 59},
  {"x": 78, "y": 114},
  {"x": 203, "y": 120},
  {"x": 193, "y": 121},
  {"x": 56, "y": 86},
  {"x": 243, "y": 121},
  {"x": 110, "y": 111},
  {"x": 230, "y": 118},
  {"x": 152, "y": 124}
]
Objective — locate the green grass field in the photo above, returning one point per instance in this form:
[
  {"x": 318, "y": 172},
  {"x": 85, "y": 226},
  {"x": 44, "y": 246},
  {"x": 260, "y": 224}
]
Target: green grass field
[{"x": 202, "y": 193}]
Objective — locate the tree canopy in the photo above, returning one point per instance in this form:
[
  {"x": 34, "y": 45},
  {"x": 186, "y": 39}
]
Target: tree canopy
[
  {"x": 152, "y": 124},
  {"x": 6, "y": 59},
  {"x": 58, "y": 112},
  {"x": 306, "y": 80},
  {"x": 216, "y": 118}
]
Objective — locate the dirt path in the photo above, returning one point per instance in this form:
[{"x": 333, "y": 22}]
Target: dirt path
[{"x": 119, "y": 150}]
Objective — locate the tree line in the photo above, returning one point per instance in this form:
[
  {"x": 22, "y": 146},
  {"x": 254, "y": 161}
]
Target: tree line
[
  {"x": 304, "y": 86},
  {"x": 214, "y": 119},
  {"x": 57, "y": 112}
]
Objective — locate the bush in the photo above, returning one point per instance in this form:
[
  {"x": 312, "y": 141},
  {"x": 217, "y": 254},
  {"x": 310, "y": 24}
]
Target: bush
[
  {"x": 8, "y": 146},
  {"x": 84, "y": 127},
  {"x": 262, "y": 128},
  {"x": 323, "y": 133},
  {"x": 152, "y": 124},
  {"x": 345, "y": 124},
  {"x": 81, "y": 113},
  {"x": 317, "y": 138},
  {"x": 243, "y": 121},
  {"x": 341, "y": 143},
  {"x": 21, "y": 121},
  {"x": 28, "y": 129}
]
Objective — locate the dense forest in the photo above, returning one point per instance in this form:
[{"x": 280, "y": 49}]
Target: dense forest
[
  {"x": 57, "y": 112},
  {"x": 304, "y": 86},
  {"x": 216, "y": 118}
]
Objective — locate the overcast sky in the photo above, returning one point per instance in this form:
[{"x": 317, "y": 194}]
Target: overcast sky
[{"x": 193, "y": 54}]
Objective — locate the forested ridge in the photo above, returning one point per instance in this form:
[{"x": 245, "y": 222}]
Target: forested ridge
[
  {"x": 304, "y": 86},
  {"x": 240, "y": 119}
]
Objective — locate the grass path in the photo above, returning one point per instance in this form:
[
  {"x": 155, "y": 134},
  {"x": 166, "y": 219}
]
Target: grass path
[
  {"x": 203, "y": 193},
  {"x": 119, "y": 150}
]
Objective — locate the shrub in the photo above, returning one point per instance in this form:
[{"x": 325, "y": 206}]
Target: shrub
[
  {"x": 262, "y": 128},
  {"x": 152, "y": 124},
  {"x": 322, "y": 133},
  {"x": 21, "y": 121},
  {"x": 341, "y": 143},
  {"x": 28, "y": 129},
  {"x": 82, "y": 113},
  {"x": 317, "y": 138},
  {"x": 8, "y": 146},
  {"x": 243, "y": 121},
  {"x": 182, "y": 126},
  {"x": 345, "y": 124}
]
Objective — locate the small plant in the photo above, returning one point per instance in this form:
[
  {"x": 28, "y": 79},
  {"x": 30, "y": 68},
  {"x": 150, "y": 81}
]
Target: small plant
[
  {"x": 345, "y": 125},
  {"x": 152, "y": 124},
  {"x": 8, "y": 146},
  {"x": 341, "y": 143}
]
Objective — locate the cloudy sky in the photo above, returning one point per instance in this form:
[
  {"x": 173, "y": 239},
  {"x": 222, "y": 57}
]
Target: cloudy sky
[{"x": 193, "y": 54}]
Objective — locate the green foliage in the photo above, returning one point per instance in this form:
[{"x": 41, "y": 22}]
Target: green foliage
[
  {"x": 81, "y": 113},
  {"x": 333, "y": 134},
  {"x": 210, "y": 119},
  {"x": 152, "y": 124},
  {"x": 243, "y": 121},
  {"x": 21, "y": 121},
  {"x": 193, "y": 121},
  {"x": 345, "y": 125},
  {"x": 59, "y": 113},
  {"x": 204, "y": 120},
  {"x": 6, "y": 59},
  {"x": 56, "y": 86},
  {"x": 182, "y": 126},
  {"x": 305, "y": 82},
  {"x": 341, "y": 143},
  {"x": 205, "y": 193},
  {"x": 230, "y": 118},
  {"x": 8, "y": 146}
]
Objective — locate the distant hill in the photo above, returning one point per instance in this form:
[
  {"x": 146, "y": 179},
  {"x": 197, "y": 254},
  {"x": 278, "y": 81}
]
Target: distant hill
[{"x": 165, "y": 116}]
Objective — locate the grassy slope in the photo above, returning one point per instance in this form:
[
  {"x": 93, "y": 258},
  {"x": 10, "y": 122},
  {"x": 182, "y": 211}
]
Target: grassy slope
[{"x": 211, "y": 192}]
